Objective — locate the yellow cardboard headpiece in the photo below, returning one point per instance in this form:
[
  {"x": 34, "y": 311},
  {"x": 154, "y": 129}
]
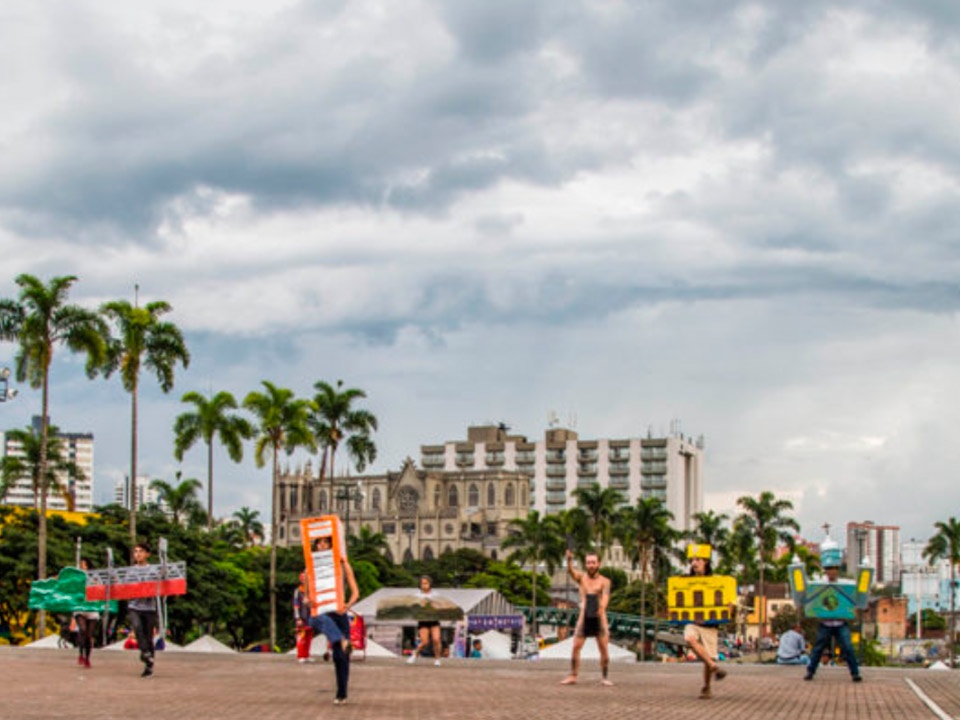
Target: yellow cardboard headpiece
[{"x": 699, "y": 550}]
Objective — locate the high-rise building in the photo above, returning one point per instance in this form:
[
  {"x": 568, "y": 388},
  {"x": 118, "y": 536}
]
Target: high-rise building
[
  {"x": 880, "y": 543},
  {"x": 78, "y": 492},
  {"x": 145, "y": 494},
  {"x": 669, "y": 468},
  {"x": 925, "y": 584}
]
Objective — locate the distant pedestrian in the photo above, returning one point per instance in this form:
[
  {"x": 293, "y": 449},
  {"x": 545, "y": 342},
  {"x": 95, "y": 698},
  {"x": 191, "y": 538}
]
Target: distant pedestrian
[
  {"x": 142, "y": 614},
  {"x": 87, "y": 624},
  {"x": 793, "y": 647},
  {"x": 428, "y": 630},
  {"x": 301, "y": 618}
]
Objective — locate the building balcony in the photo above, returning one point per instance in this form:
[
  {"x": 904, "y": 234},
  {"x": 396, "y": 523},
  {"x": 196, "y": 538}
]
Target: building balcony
[
  {"x": 587, "y": 471},
  {"x": 617, "y": 470},
  {"x": 556, "y": 498},
  {"x": 588, "y": 456},
  {"x": 433, "y": 461},
  {"x": 653, "y": 454},
  {"x": 554, "y": 485},
  {"x": 618, "y": 455},
  {"x": 556, "y": 456},
  {"x": 653, "y": 468},
  {"x": 465, "y": 461},
  {"x": 495, "y": 459},
  {"x": 619, "y": 483},
  {"x": 556, "y": 470}
]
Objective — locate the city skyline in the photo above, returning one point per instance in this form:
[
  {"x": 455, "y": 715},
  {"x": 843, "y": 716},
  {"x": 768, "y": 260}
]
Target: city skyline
[{"x": 482, "y": 212}]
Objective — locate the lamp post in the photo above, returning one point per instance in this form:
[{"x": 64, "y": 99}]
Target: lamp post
[
  {"x": 6, "y": 392},
  {"x": 349, "y": 494},
  {"x": 410, "y": 528}
]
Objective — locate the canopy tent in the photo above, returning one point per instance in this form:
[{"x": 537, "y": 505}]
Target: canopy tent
[
  {"x": 563, "y": 650},
  {"x": 207, "y": 644},
  {"x": 496, "y": 645},
  {"x": 49, "y": 641}
]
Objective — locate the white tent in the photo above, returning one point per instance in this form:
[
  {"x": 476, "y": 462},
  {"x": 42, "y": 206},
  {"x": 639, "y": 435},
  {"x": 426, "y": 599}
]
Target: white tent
[
  {"x": 375, "y": 649},
  {"x": 207, "y": 644},
  {"x": 496, "y": 645},
  {"x": 48, "y": 641},
  {"x": 562, "y": 651}
]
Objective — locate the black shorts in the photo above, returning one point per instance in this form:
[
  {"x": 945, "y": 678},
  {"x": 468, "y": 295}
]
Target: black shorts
[
  {"x": 428, "y": 624},
  {"x": 591, "y": 627}
]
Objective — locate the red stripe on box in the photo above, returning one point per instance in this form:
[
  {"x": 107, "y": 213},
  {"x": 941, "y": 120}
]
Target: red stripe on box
[{"x": 128, "y": 591}]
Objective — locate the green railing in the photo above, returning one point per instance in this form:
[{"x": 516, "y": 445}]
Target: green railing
[{"x": 621, "y": 624}]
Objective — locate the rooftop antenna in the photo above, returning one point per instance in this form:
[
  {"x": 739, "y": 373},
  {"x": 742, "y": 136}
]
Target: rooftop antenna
[
  {"x": 136, "y": 294},
  {"x": 552, "y": 419}
]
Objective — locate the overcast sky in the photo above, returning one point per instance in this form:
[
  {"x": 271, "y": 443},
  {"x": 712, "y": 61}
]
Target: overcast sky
[{"x": 741, "y": 215}]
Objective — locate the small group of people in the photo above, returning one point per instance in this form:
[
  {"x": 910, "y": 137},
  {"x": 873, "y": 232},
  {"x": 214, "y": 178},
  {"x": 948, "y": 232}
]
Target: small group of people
[{"x": 702, "y": 638}]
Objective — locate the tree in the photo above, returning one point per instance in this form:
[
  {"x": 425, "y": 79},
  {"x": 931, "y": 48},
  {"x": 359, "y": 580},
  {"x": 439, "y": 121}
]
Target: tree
[
  {"x": 601, "y": 506},
  {"x": 764, "y": 518},
  {"x": 38, "y": 321},
  {"x": 143, "y": 340},
  {"x": 945, "y": 545},
  {"x": 26, "y": 465},
  {"x": 334, "y": 421},
  {"x": 711, "y": 529},
  {"x": 250, "y": 525},
  {"x": 536, "y": 540},
  {"x": 283, "y": 426},
  {"x": 180, "y": 498},
  {"x": 212, "y": 417},
  {"x": 645, "y": 532},
  {"x": 367, "y": 544}
]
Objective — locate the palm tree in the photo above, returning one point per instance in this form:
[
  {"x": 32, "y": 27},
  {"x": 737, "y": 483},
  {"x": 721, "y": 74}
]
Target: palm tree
[
  {"x": 644, "y": 530},
  {"x": 25, "y": 465},
  {"x": 180, "y": 498},
  {"x": 335, "y": 420},
  {"x": 249, "y": 523},
  {"x": 601, "y": 506},
  {"x": 211, "y": 417},
  {"x": 537, "y": 540},
  {"x": 764, "y": 518},
  {"x": 945, "y": 545},
  {"x": 282, "y": 426},
  {"x": 711, "y": 529},
  {"x": 143, "y": 340},
  {"x": 39, "y": 321},
  {"x": 367, "y": 543}
]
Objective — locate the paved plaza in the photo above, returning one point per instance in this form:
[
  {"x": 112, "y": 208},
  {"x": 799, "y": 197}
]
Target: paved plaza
[{"x": 43, "y": 683}]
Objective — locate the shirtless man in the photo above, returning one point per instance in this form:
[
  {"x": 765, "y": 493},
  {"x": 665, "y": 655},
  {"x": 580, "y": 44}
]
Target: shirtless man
[{"x": 594, "y": 597}]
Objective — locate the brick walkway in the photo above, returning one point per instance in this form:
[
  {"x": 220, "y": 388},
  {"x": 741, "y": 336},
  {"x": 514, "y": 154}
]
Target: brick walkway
[{"x": 47, "y": 684}]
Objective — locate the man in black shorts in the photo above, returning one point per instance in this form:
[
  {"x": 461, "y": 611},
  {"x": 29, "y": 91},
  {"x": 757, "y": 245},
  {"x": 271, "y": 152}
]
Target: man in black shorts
[{"x": 594, "y": 597}]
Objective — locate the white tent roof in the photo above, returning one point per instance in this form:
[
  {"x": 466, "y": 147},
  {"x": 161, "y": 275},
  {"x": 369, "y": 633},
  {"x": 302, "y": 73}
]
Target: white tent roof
[
  {"x": 48, "y": 641},
  {"x": 375, "y": 649},
  {"x": 481, "y": 601},
  {"x": 562, "y": 651},
  {"x": 207, "y": 644},
  {"x": 496, "y": 645}
]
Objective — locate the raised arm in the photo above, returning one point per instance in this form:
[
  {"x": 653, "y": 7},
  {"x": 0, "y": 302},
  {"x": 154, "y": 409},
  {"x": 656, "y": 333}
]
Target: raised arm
[{"x": 572, "y": 571}]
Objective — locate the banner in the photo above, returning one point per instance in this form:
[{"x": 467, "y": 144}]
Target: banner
[{"x": 323, "y": 553}]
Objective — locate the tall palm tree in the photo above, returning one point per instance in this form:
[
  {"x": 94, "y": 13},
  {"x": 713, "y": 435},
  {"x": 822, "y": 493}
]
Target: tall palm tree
[
  {"x": 211, "y": 417},
  {"x": 38, "y": 321},
  {"x": 282, "y": 420},
  {"x": 710, "y": 529},
  {"x": 945, "y": 544},
  {"x": 644, "y": 530},
  {"x": 601, "y": 506},
  {"x": 180, "y": 497},
  {"x": 249, "y": 523},
  {"x": 25, "y": 465},
  {"x": 536, "y": 540},
  {"x": 334, "y": 421},
  {"x": 142, "y": 340},
  {"x": 764, "y": 517},
  {"x": 367, "y": 543}
]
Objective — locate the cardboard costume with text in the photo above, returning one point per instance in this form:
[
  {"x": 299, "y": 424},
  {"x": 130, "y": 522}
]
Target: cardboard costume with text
[
  {"x": 323, "y": 552},
  {"x": 703, "y": 599},
  {"x": 830, "y": 600}
]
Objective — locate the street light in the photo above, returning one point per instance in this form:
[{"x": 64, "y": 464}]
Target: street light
[
  {"x": 349, "y": 494},
  {"x": 410, "y": 528},
  {"x": 6, "y": 392}
]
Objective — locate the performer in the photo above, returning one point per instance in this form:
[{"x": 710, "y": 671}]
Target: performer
[
  {"x": 87, "y": 624},
  {"x": 833, "y": 628},
  {"x": 428, "y": 630},
  {"x": 703, "y": 639},
  {"x": 142, "y": 614},
  {"x": 336, "y": 627},
  {"x": 594, "y": 597}
]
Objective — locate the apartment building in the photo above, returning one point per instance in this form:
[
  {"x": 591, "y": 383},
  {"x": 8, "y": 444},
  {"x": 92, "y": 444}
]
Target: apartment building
[
  {"x": 879, "y": 543},
  {"x": 76, "y": 447},
  {"x": 670, "y": 468}
]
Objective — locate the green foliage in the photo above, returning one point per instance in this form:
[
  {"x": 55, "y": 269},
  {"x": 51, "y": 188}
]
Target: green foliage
[
  {"x": 637, "y": 598},
  {"x": 367, "y": 577},
  {"x": 510, "y": 581},
  {"x": 873, "y": 656},
  {"x": 618, "y": 578}
]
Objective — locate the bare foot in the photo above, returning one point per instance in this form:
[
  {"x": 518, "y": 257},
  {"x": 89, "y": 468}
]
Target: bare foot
[
  {"x": 704, "y": 693},
  {"x": 606, "y": 683},
  {"x": 569, "y": 680},
  {"x": 720, "y": 673}
]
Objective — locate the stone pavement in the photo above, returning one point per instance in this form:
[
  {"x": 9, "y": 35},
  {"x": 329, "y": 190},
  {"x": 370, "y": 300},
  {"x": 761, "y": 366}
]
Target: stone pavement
[{"x": 48, "y": 684}]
